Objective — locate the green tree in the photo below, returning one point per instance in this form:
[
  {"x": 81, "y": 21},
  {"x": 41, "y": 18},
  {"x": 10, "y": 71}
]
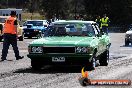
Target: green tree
[{"x": 54, "y": 8}]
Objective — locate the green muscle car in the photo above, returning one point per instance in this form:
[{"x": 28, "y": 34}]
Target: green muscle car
[{"x": 70, "y": 42}]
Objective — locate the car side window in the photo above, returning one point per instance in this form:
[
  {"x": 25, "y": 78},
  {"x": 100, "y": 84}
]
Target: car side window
[
  {"x": 90, "y": 30},
  {"x": 95, "y": 30},
  {"x": 97, "y": 27}
]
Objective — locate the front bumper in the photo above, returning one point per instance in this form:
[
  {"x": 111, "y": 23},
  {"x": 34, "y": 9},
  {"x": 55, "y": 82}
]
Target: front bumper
[{"x": 70, "y": 59}]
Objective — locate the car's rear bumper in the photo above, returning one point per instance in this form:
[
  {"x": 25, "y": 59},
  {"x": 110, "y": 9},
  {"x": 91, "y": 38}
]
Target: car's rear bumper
[{"x": 69, "y": 59}]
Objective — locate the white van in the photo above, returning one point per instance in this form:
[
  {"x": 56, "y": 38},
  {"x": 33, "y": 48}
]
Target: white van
[{"x": 7, "y": 12}]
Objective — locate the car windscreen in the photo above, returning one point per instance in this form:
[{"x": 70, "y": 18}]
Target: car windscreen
[
  {"x": 70, "y": 29},
  {"x": 35, "y": 23}
]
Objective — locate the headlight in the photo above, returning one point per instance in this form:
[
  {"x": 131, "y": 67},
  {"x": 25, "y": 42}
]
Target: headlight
[
  {"x": 81, "y": 50},
  {"x": 84, "y": 49},
  {"x": 78, "y": 50},
  {"x": 36, "y": 49}
]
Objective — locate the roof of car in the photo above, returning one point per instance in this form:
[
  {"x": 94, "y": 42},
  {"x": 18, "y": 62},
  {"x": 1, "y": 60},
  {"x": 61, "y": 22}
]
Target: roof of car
[{"x": 74, "y": 21}]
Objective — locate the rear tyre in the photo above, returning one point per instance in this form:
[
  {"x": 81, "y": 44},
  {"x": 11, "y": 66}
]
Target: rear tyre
[
  {"x": 104, "y": 59},
  {"x": 36, "y": 65}
]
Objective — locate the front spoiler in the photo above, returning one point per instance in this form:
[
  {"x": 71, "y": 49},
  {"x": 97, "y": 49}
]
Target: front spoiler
[{"x": 69, "y": 59}]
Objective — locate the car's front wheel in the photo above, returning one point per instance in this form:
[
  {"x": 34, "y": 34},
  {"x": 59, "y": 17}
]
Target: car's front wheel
[
  {"x": 36, "y": 65},
  {"x": 104, "y": 59},
  {"x": 1, "y": 37},
  {"x": 126, "y": 42},
  {"x": 92, "y": 63}
]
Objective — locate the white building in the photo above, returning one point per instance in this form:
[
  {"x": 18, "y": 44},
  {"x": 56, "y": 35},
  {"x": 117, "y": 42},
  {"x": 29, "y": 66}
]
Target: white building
[{"x": 6, "y": 12}]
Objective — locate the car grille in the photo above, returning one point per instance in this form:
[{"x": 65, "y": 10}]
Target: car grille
[{"x": 59, "y": 49}]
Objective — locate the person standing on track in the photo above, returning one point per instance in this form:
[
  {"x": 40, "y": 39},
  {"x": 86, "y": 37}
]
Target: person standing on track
[
  {"x": 10, "y": 36},
  {"x": 104, "y": 23}
]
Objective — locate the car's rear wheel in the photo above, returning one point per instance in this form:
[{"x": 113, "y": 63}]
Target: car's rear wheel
[
  {"x": 104, "y": 58},
  {"x": 126, "y": 42},
  {"x": 36, "y": 64}
]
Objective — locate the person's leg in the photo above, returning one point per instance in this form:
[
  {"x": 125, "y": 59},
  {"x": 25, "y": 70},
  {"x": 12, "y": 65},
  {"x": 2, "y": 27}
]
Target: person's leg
[
  {"x": 14, "y": 45},
  {"x": 107, "y": 31},
  {"x": 15, "y": 48},
  {"x": 103, "y": 29},
  {"x": 6, "y": 45}
]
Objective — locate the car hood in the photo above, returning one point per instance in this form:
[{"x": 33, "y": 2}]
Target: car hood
[
  {"x": 129, "y": 32},
  {"x": 66, "y": 41},
  {"x": 33, "y": 27}
]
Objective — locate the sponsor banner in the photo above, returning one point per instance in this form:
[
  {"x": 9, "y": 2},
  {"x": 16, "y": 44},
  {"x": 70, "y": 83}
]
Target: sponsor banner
[{"x": 86, "y": 81}]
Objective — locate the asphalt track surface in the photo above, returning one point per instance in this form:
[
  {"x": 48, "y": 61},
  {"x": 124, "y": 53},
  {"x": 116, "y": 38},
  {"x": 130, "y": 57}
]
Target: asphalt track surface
[{"x": 18, "y": 74}]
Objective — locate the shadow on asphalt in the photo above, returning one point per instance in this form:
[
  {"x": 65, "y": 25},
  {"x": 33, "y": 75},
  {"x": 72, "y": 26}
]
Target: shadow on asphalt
[{"x": 52, "y": 70}]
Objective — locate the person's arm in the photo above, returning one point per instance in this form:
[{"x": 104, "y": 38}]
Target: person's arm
[{"x": 15, "y": 25}]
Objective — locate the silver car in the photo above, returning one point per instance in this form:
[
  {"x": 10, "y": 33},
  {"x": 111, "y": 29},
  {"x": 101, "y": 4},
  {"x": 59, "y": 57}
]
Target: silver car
[{"x": 128, "y": 37}]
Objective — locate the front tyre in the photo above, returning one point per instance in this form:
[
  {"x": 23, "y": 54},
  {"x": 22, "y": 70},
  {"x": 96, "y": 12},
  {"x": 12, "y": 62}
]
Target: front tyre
[
  {"x": 104, "y": 59},
  {"x": 1, "y": 37},
  {"x": 92, "y": 64},
  {"x": 126, "y": 42},
  {"x": 36, "y": 65}
]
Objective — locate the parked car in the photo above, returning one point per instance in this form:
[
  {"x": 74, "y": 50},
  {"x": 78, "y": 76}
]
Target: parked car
[
  {"x": 34, "y": 28},
  {"x": 19, "y": 28},
  {"x": 70, "y": 43},
  {"x": 128, "y": 36}
]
